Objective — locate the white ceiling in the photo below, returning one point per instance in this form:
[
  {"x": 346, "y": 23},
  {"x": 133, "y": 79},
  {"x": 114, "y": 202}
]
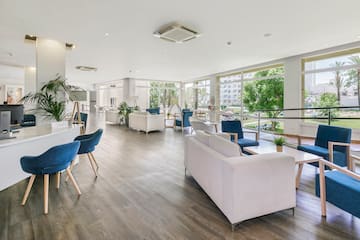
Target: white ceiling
[{"x": 296, "y": 27}]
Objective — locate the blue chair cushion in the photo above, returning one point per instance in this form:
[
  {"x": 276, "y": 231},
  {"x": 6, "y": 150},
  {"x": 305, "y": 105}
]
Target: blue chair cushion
[
  {"x": 244, "y": 142},
  {"x": 232, "y": 126},
  {"x": 334, "y": 134},
  {"x": 339, "y": 157},
  {"x": 52, "y": 161},
  {"x": 178, "y": 123},
  {"x": 341, "y": 190},
  {"x": 89, "y": 141},
  {"x": 153, "y": 110}
]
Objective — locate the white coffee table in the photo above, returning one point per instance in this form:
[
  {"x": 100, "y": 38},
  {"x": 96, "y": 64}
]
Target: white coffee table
[{"x": 300, "y": 157}]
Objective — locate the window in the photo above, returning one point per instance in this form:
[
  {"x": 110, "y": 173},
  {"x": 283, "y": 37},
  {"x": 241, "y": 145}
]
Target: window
[
  {"x": 230, "y": 93},
  {"x": 202, "y": 94},
  {"x": 189, "y": 95},
  {"x": 164, "y": 94},
  {"x": 332, "y": 80}
]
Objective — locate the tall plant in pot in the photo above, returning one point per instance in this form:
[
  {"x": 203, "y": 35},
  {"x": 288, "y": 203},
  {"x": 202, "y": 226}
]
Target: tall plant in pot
[
  {"x": 51, "y": 99},
  {"x": 124, "y": 112}
]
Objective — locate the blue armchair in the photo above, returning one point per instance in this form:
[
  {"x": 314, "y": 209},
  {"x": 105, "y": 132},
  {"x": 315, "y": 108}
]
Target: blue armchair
[
  {"x": 87, "y": 146},
  {"x": 340, "y": 187},
  {"x": 332, "y": 143},
  {"x": 153, "y": 110},
  {"x": 54, "y": 160},
  {"x": 234, "y": 128},
  {"x": 29, "y": 120},
  {"x": 183, "y": 121}
]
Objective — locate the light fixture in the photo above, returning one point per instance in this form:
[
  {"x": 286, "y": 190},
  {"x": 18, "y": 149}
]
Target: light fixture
[
  {"x": 267, "y": 35},
  {"x": 33, "y": 38},
  {"x": 106, "y": 34},
  {"x": 176, "y": 33}
]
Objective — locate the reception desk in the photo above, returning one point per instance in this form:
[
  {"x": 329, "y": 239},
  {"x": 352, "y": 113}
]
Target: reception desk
[{"x": 29, "y": 141}]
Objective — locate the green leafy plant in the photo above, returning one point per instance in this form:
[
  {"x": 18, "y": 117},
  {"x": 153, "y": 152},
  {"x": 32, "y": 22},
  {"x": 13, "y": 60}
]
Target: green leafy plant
[
  {"x": 51, "y": 99},
  {"x": 125, "y": 110},
  {"x": 279, "y": 141}
]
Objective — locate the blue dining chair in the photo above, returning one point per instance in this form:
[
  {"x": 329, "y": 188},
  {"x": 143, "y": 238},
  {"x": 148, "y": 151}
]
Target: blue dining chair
[
  {"x": 332, "y": 143},
  {"x": 83, "y": 118},
  {"x": 184, "y": 120},
  {"x": 54, "y": 160},
  {"x": 87, "y": 146},
  {"x": 234, "y": 128}
]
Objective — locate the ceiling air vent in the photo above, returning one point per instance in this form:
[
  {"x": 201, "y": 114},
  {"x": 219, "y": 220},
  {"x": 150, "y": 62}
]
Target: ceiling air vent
[
  {"x": 176, "y": 33},
  {"x": 86, "y": 68}
]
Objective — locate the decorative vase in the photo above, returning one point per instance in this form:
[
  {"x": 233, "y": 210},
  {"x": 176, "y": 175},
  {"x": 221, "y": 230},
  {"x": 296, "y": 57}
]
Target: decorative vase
[{"x": 279, "y": 148}]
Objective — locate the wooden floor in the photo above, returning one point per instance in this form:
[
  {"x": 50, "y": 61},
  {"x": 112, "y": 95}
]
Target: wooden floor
[{"x": 142, "y": 193}]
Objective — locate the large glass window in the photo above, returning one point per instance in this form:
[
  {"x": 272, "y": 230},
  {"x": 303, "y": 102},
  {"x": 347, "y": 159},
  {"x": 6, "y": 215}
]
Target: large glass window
[
  {"x": 189, "y": 95},
  {"x": 333, "y": 81},
  {"x": 230, "y": 93},
  {"x": 164, "y": 94},
  {"x": 202, "y": 94}
]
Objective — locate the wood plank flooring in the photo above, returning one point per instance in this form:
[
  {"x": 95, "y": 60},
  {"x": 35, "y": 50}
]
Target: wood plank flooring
[{"x": 142, "y": 193}]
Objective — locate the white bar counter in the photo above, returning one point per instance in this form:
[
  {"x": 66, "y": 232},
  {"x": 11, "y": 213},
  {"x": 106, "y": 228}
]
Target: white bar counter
[{"x": 30, "y": 141}]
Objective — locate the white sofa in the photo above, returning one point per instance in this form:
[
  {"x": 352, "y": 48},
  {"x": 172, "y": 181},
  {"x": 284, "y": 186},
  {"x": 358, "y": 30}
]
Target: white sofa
[
  {"x": 243, "y": 187},
  {"x": 144, "y": 121}
]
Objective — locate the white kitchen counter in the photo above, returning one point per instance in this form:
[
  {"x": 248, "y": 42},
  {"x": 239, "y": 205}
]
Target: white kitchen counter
[{"x": 29, "y": 141}]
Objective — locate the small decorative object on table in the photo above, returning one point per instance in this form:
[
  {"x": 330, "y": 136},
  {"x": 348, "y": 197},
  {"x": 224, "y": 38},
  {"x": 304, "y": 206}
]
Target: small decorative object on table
[{"x": 279, "y": 142}]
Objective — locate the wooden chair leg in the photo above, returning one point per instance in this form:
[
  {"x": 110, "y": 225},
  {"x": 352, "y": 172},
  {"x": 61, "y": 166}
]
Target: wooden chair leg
[
  {"x": 93, "y": 158},
  {"x": 71, "y": 168},
  {"x": 58, "y": 174},
  {"x": 322, "y": 188},
  {"x": 92, "y": 164},
  {"x": 28, "y": 189},
  {"x": 46, "y": 193},
  {"x": 73, "y": 181}
]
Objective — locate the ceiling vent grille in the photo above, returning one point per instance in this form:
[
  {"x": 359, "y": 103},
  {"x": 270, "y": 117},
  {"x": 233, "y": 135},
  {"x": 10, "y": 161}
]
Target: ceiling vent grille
[
  {"x": 86, "y": 68},
  {"x": 176, "y": 33}
]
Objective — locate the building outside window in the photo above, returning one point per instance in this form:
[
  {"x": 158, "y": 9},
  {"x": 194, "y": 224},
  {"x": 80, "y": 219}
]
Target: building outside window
[
  {"x": 332, "y": 80},
  {"x": 202, "y": 98}
]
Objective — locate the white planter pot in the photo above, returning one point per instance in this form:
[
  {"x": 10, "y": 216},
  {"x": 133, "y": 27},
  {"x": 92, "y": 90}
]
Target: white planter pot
[{"x": 61, "y": 124}]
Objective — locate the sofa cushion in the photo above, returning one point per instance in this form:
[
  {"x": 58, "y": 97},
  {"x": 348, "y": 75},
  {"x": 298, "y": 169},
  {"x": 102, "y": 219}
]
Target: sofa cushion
[
  {"x": 339, "y": 157},
  {"x": 203, "y": 137},
  {"x": 244, "y": 142},
  {"x": 341, "y": 190},
  {"x": 223, "y": 146}
]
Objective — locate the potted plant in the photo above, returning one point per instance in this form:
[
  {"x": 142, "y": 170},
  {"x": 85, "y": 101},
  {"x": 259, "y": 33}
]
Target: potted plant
[
  {"x": 124, "y": 111},
  {"x": 52, "y": 98},
  {"x": 279, "y": 142}
]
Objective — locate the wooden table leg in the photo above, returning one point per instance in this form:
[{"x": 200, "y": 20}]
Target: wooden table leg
[
  {"x": 298, "y": 175},
  {"x": 322, "y": 189}
]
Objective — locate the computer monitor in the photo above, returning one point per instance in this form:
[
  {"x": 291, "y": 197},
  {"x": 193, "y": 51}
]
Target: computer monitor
[
  {"x": 5, "y": 117},
  {"x": 17, "y": 112}
]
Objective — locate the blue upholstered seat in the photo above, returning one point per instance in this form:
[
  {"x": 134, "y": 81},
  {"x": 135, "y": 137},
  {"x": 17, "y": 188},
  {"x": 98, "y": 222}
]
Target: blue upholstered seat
[
  {"x": 184, "y": 120},
  {"x": 341, "y": 190},
  {"x": 234, "y": 126},
  {"x": 323, "y": 136},
  {"x": 52, "y": 161},
  {"x": 153, "y": 110},
  {"x": 88, "y": 143},
  {"x": 83, "y": 118}
]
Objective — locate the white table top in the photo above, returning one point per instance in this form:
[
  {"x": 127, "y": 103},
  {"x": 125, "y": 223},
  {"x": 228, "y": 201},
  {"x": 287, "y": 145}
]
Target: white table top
[
  {"x": 269, "y": 147},
  {"x": 31, "y": 133}
]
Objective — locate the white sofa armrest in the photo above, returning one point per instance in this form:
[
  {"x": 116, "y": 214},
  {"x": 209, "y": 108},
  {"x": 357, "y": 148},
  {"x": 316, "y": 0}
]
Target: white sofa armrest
[{"x": 248, "y": 181}]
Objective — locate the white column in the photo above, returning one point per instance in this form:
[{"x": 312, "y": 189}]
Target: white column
[
  {"x": 292, "y": 94},
  {"x": 50, "y": 60},
  {"x": 213, "y": 97},
  {"x": 30, "y": 80}
]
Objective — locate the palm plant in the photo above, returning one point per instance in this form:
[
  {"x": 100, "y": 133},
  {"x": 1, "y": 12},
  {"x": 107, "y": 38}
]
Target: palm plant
[
  {"x": 339, "y": 80},
  {"x": 354, "y": 75},
  {"x": 51, "y": 99}
]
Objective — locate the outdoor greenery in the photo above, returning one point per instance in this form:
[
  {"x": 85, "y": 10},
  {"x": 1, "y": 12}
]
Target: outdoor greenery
[
  {"x": 267, "y": 94},
  {"x": 354, "y": 75},
  {"x": 328, "y": 100},
  {"x": 163, "y": 94},
  {"x": 52, "y": 98},
  {"x": 124, "y": 111}
]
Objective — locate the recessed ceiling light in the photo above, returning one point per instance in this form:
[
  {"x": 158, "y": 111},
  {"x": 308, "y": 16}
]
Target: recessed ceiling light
[
  {"x": 267, "y": 35},
  {"x": 229, "y": 43},
  {"x": 358, "y": 36},
  {"x": 106, "y": 34}
]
